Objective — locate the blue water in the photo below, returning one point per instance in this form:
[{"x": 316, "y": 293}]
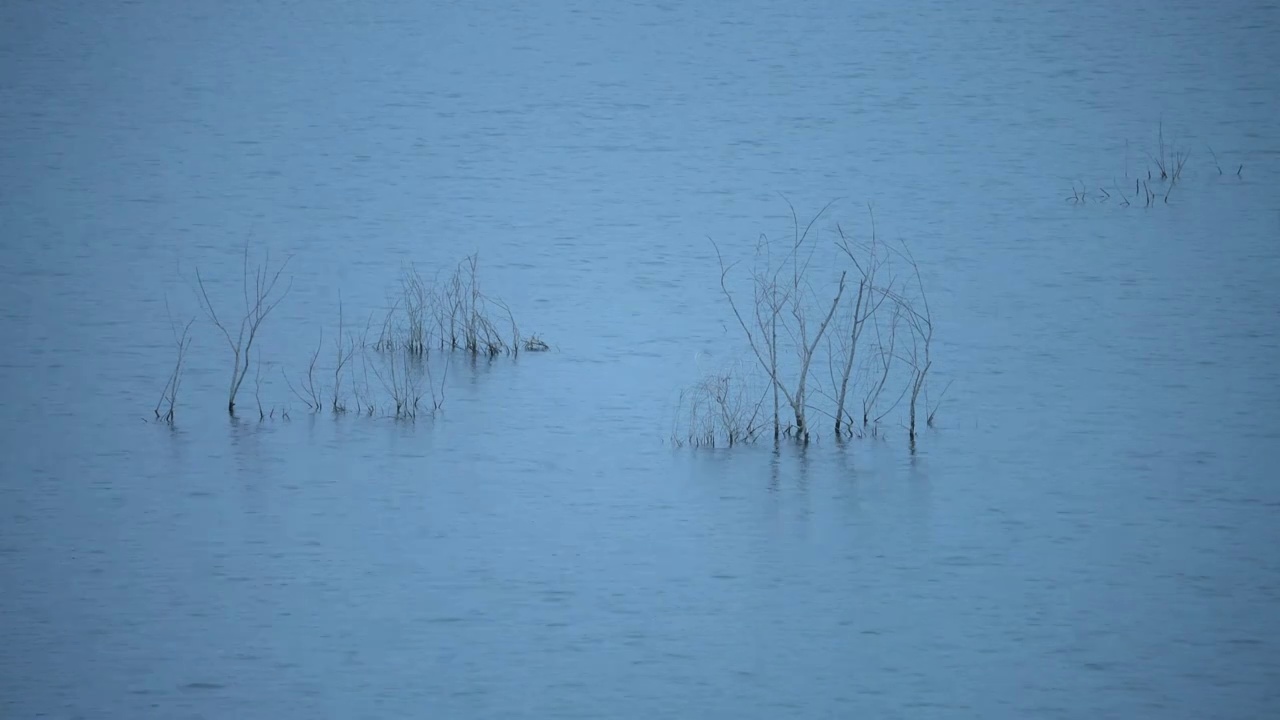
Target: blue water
[{"x": 1089, "y": 531}]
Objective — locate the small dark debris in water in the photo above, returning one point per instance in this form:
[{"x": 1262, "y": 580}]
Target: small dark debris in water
[
  {"x": 1244, "y": 641},
  {"x": 203, "y": 686}
]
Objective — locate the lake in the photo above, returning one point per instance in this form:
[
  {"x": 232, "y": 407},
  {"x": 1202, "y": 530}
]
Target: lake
[{"x": 1088, "y": 529}]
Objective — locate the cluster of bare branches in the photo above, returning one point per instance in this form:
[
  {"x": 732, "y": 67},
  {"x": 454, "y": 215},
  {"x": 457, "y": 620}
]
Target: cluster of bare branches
[
  {"x": 452, "y": 316},
  {"x": 783, "y": 298},
  {"x": 425, "y": 324},
  {"x": 859, "y": 313},
  {"x": 448, "y": 316},
  {"x": 1163, "y": 173},
  {"x": 724, "y": 407}
]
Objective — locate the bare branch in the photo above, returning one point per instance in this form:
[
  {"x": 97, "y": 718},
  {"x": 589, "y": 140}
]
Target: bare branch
[
  {"x": 257, "y": 307},
  {"x": 169, "y": 396}
]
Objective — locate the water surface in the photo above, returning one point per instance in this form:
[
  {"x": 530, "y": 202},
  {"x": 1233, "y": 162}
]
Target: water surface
[{"x": 1088, "y": 532}]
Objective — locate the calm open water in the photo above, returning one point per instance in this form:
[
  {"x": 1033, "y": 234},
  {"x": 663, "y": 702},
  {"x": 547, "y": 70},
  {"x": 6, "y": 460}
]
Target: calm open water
[{"x": 1090, "y": 531}]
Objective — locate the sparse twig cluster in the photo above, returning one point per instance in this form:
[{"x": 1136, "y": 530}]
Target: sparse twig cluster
[
  {"x": 722, "y": 408},
  {"x": 1164, "y": 170},
  {"x": 166, "y": 406}
]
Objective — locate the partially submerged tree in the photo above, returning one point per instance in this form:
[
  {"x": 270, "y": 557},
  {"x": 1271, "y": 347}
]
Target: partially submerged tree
[
  {"x": 789, "y": 317},
  {"x": 784, "y": 300},
  {"x": 260, "y": 298}
]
